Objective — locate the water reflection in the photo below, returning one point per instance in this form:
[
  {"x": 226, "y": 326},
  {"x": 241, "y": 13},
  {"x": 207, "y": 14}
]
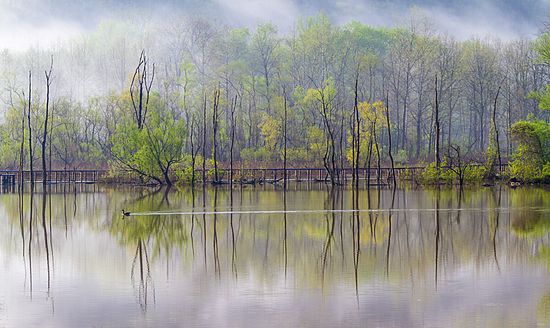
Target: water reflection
[
  {"x": 145, "y": 284},
  {"x": 400, "y": 257}
]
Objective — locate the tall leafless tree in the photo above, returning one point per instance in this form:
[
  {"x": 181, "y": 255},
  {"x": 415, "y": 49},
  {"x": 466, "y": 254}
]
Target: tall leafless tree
[
  {"x": 44, "y": 140},
  {"x": 215, "y": 125},
  {"x": 31, "y": 151},
  {"x": 437, "y": 128},
  {"x": 141, "y": 84}
]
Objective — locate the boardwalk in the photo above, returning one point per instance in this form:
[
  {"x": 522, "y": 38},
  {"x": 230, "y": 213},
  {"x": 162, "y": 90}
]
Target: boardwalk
[
  {"x": 380, "y": 175},
  {"x": 317, "y": 174},
  {"x": 53, "y": 176}
]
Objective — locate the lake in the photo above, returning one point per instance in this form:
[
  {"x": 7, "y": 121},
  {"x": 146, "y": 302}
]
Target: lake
[{"x": 260, "y": 257}]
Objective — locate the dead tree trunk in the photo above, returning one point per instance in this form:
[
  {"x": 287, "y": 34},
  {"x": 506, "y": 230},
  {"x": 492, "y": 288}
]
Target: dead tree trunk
[
  {"x": 497, "y": 142},
  {"x": 369, "y": 157},
  {"x": 204, "y": 141},
  {"x": 232, "y": 145},
  {"x": 356, "y": 134},
  {"x": 437, "y": 131},
  {"x": 329, "y": 159},
  {"x": 215, "y": 122},
  {"x": 22, "y": 148},
  {"x": 377, "y": 147},
  {"x": 140, "y": 105},
  {"x": 389, "y": 141},
  {"x": 48, "y": 75},
  {"x": 193, "y": 152},
  {"x": 284, "y": 140},
  {"x": 31, "y": 153}
]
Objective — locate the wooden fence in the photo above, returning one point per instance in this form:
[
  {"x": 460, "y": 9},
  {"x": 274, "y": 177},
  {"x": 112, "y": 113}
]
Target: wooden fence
[
  {"x": 53, "y": 176},
  {"x": 240, "y": 175},
  {"x": 317, "y": 174}
]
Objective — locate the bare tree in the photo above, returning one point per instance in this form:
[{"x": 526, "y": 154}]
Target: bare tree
[
  {"x": 204, "y": 139},
  {"x": 457, "y": 165},
  {"x": 194, "y": 151},
  {"x": 44, "y": 140},
  {"x": 496, "y": 136},
  {"x": 31, "y": 152},
  {"x": 327, "y": 113},
  {"x": 215, "y": 125},
  {"x": 22, "y": 143},
  {"x": 356, "y": 126},
  {"x": 389, "y": 141},
  {"x": 437, "y": 128},
  {"x": 231, "y": 147},
  {"x": 265, "y": 44},
  {"x": 141, "y": 84},
  {"x": 285, "y": 137}
]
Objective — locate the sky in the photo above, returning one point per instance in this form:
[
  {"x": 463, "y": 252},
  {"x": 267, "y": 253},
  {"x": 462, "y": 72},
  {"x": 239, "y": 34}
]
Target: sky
[{"x": 27, "y": 23}]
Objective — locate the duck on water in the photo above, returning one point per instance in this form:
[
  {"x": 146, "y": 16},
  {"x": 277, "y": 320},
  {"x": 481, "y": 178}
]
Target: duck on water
[{"x": 125, "y": 213}]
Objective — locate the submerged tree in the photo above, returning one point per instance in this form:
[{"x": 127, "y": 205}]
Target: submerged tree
[
  {"x": 31, "y": 148},
  {"x": 44, "y": 140}
]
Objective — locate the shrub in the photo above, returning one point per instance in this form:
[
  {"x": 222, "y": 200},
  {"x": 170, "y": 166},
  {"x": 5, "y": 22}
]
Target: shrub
[
  {"x": 532, "y": 156},
  {"x": 432, "y": 175},
  {"x": 474, "y": 173}
]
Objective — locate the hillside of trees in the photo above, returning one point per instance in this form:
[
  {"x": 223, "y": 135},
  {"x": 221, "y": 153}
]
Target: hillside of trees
[{"x": 159, "y": 101}]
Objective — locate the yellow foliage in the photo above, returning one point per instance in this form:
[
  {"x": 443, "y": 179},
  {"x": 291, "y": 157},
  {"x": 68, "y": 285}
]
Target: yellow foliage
[
  {"x": 316, "y": 142},
  {"x": 271, "y": 129},
  {"x": 372, "y": 120}
]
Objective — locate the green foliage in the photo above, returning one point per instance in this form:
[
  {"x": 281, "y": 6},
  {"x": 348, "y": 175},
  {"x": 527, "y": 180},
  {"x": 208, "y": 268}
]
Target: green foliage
[
  {"x": 532, "y": 155},
  {"x": 152, "y": 150},
  {"x": 297, "y": 155},
  {"x": 401, "y": 156},
  {"x": 542, "y": 97},
  {"x": 313, "y": 69},
  {"x": 184, "y": 170},
  {"x": 373, "y": 39},
  {"x": 433, "y": 175},
  {"x": 252, "y": 155},
  {"x": 450, "y": 175},
  {"x": 542, "y": 47},
  {"x": 474, "y": 173},
  {"x": 9, "y": 150}
]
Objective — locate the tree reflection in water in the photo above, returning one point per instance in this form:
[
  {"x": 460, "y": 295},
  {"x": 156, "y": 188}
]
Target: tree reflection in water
[
  {"x": 415, "y": 239},
  {"x": 145, "y": 282}
]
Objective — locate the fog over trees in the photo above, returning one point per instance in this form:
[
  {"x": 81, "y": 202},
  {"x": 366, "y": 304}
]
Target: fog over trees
[{"x": 160, "y": 97}]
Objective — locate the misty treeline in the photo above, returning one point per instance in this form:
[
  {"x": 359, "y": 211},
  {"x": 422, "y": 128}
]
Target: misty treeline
[{"x": 196, "y": 94}]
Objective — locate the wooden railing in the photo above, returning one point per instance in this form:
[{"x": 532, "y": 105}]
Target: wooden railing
[
  {"x": 53, "y": 176},
  {"x": 316, "y": 174},
  {"x": 411, "y": 173}
]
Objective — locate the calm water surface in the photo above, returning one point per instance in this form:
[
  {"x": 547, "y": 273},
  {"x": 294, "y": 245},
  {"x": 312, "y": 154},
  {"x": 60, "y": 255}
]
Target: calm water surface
[{"x": 413, "y": 258}]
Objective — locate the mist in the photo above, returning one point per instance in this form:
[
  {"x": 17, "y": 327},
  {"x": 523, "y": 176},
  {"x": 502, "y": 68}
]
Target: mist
[{"x": 33, "y": 23}]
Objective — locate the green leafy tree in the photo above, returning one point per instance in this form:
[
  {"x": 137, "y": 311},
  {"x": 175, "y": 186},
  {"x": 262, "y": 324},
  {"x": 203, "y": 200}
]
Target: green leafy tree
[{"x": 153, "y": 150}]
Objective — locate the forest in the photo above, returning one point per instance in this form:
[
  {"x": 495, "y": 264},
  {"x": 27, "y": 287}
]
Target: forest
[{"x": 183, "y": 101}]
